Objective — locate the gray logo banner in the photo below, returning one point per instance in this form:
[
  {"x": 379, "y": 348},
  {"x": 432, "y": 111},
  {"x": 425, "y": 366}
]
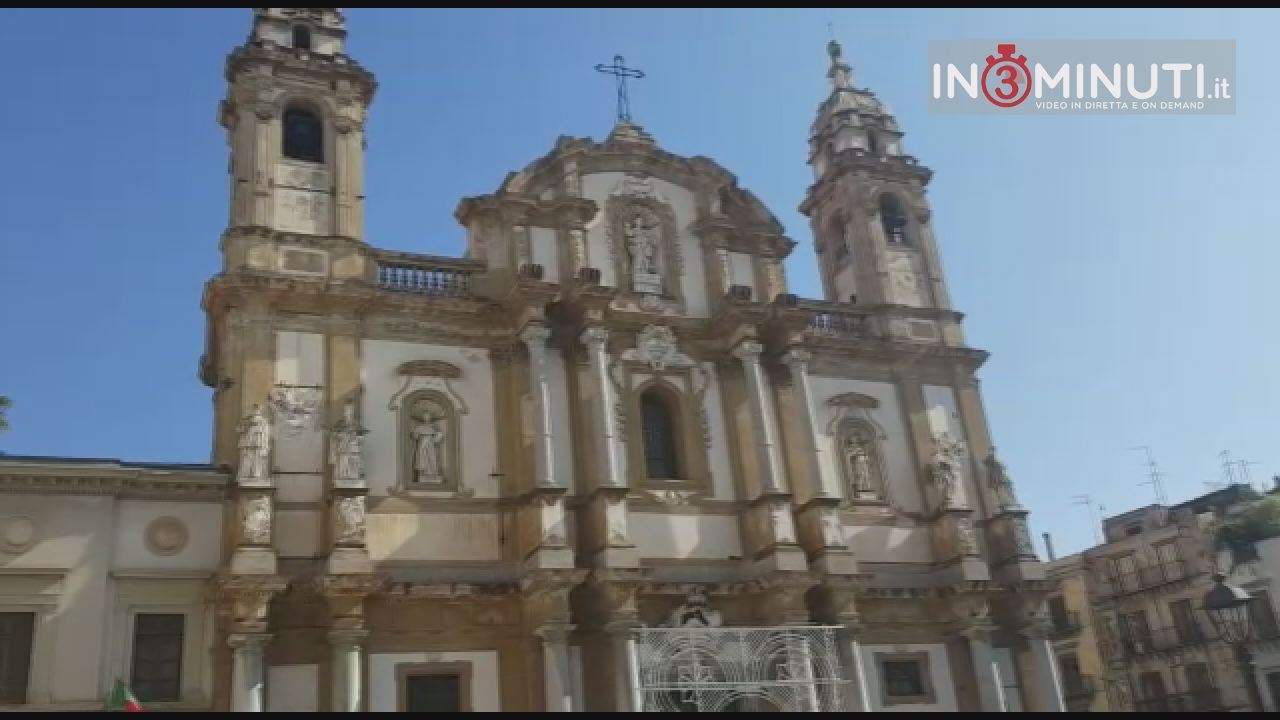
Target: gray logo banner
[{"x": 1082, "y": 77}]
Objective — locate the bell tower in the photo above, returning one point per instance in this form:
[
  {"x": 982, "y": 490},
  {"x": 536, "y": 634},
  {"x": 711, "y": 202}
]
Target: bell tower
[
  {"x": 867, "y": 206},
  {"x": 294, "y": 114}
]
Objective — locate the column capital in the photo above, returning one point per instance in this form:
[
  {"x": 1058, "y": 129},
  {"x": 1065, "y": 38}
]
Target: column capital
[
  {"x": 554, "y": 632},
  {"x": 594, "y": 336},
  {"x": 980, "y": 632},
  {"x": 535, "y": 335},
  {"x": 256, "y": 641},
  {"x": 748, "y": 351},
  {"x": 347, "y": 638},
  {"x": 798, "y": 359}
]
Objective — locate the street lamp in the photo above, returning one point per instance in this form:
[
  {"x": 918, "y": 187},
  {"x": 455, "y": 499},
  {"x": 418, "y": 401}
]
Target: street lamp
[{"x": 1228, "y": 609}]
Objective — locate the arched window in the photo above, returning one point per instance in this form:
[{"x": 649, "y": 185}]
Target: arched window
[
  {"x": 893, "y": 220},
  {"x": 303, "y": 135},
  {"x": 660, "y": 459},
  {"x": 302, "y": 37}
]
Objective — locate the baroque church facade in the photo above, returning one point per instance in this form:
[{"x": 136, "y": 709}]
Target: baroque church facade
[{"x": 605, "y": 460}]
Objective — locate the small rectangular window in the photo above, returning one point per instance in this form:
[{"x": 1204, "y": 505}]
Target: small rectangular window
[
  {"x": 157, "y": 656},
  {"x": 434, "y": 687},
  {"x": 904, "y": 679}
]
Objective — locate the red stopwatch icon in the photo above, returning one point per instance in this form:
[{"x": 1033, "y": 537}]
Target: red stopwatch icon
[{"x": 1009, "y": 75}]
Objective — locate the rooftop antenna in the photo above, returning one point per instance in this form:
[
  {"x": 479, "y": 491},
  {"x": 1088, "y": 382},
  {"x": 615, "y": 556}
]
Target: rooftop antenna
[
  {"x": 1088, "y": 503},
  {"x": 1154, "y": 476},
  {"x": 1245, "y": 475},
  {"x": 1228, "y": 467}
]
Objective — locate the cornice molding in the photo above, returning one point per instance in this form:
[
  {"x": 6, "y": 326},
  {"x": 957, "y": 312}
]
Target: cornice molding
[{"x": 112, "y": 479}]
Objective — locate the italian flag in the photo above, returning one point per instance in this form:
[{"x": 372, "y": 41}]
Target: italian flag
[{"x": 121, "y": 699}]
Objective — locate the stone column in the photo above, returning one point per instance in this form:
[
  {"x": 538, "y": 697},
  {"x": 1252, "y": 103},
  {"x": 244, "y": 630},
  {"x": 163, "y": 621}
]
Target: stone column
[
  {"x": 766, "y": 434},
  {"x": 248, "y": 680},
  {"x": 555, "y": 668},
  {"x": 985, "y": 672},
  {"x": 348, "y": 669},
  {"x": 544, "y": 459},
  {"x": 595, "y": 338},
  {"x": 627, "y": 693},
  {"x": 861, "y": 699},
  {"x": 1044, "y": 671},
  {"x": 798, "y": 362}
]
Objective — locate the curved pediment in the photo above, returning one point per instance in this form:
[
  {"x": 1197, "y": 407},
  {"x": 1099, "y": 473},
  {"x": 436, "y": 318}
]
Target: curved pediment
[{"x": 853, "y": 400}]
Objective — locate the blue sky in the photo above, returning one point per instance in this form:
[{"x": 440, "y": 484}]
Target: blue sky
[{"x": 1120, "y": 270}]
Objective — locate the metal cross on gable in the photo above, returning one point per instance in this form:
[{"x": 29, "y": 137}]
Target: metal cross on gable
[{"x": 621, "y": 72}]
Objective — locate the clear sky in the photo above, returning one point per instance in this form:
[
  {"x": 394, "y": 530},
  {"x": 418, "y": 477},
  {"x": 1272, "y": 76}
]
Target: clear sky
[{"x": 1121, "y": 271}]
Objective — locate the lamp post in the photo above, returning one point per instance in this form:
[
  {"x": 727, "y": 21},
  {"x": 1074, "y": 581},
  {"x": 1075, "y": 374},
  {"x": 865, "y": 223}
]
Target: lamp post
[{"x": 1228, "y": 609}]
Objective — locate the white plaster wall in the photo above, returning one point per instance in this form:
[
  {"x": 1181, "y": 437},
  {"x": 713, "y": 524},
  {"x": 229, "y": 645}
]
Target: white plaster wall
[
  {"x": 75, "y": 538},
  {"x": 718, "y": 454},
  {"x": 381, "y": 382},
  {"x": 903, "y": 486},
  {"x": 598, "y": 187},
  {"x": 1266, "y": 656},
  {"x": 432, "y": 536},
  {"x": 299, "y": 488},
  {"x": 876, "y": 543},
  {"x": 297, "y": 533},
  {"x": 204, "y": 535},
  {"x": 939, "y": 669},
  {"x": 846, "y": 285},
  {"x": 561, "y": 427},
  {"x": 293, "y": 688},
  {"x": 485, "y": 692},
  {"x": 65, "y": 577},
  {"x": 660, "y": 535},
  {"x": 743, "y": 273},
  {"x": 545, "y": 250},
  {"x": 299, "y": 361},
  {"x": 940, "y": 408}
]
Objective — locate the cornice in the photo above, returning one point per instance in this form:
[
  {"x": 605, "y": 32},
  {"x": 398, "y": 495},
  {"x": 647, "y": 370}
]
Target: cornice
[{"x": 69, "y": 476}]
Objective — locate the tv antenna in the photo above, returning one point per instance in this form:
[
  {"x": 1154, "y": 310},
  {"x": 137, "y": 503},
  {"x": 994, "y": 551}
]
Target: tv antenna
[
  {"x": 1155, "y": 478},
  {"x": 1093, "y": 522}
]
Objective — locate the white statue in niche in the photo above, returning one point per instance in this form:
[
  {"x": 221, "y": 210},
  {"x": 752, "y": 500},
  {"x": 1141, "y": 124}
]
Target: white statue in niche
[
  {"x": 642, "y": 243},
  {"x": 858, "y": 466},
  {"x": 351, "y": 520},
  {"x": 256, "y": 520},
  {"x": 346, "y": 448},
  {"x": 429, "y": 437},
  {"x": 1000, "y": 482},
  {"x": 255, "y": 447},
  {"x": 695, "y": 611},
  {"x": 944, "y": 468}
]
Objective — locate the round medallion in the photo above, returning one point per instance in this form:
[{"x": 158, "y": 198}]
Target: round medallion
[
  {"x": 166, "y": 536},
  {"x": 17, "y": 533}
]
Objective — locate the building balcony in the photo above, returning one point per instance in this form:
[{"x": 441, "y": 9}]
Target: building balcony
[
  {"x": 1163, "y": 640},
  {"x": 1147, "y": 578},
  {"x": 1204, "y": 700},
  {"x": 426, "y": 274},
  {"x": 1064, "y": 626}
]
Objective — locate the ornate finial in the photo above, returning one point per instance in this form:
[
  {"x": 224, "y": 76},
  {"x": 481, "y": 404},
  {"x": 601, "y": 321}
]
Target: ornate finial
[{"x": 841, "y": 74}]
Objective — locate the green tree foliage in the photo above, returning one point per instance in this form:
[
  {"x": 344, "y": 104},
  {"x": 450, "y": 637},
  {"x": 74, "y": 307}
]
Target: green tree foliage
[{"x": 1257, "y": 522}]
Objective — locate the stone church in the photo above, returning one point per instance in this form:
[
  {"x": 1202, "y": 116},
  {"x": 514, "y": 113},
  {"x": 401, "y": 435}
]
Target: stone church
[{"x": 604, "y": 460}]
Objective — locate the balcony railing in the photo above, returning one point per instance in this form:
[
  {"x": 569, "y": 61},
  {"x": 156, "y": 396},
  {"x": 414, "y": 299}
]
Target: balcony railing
[
  {"x": 426, "y": 275},
  {"x": 838, "y": 321},
  {"x": 1164, "y": 639},
  {"x": 1063, "y": 626},
  {"x": 1205, "y": 700},
  {"x": 1145, "y": 578}
]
